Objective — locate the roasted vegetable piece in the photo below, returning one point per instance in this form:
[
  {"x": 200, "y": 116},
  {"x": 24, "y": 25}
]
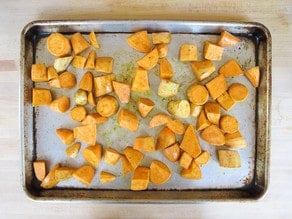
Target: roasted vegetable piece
[{"x": 58, "y": 45}]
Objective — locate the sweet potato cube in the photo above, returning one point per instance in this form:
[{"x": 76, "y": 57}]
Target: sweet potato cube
[
  {"x": 86, "y": 81},
  {"x": 229, "y": 159},
  {"x": 73, "y": 150},
  {"x": 172, "y": 153},
  {"x": 217, "y": 86},
  {"x": 165, "y": 138},
  {"x": 203, "y": 69},
  {"x": 93, "y": 40},
  {"x": 195, "y": 110},
  {"x": 50, "y": 180},
  {"x": 52, "y": 73},
  {"x": 126, "y": 165},
  {"x": 203, "y": 158},
  {"x": 228, "y": 124},
  {"x": 67, "y": 80},
  {"x": 176, "y": 126},
  {"x": 79, "y": 43},
  {"x": 90, "y": 61},
  {"x": 226, "y": 101},
  {"x": 55, "y": 82},
  {"x": 65, "y": 135},
  {"x": 111, "y": 156},
  {"x": 238, "y": 92},
  {"x": 103, "y": 84},
  {"x": 165, "y": 69},
  {"x": 106, "y": 177},
  {"x": 41, "y": 96},
  {"x": 198, "y": 94},
  {"x": 122, "y": 90},
  {"x": 94, "y": 118},
  {"x": 39, "y": 168},
  {"x": 128, "y": 120},
  {"x": 92, "y": 154},
  {"x": 145, "y": 105},
  {"x": 188, "y": 52},
  {"x": 235, "y": 140},
  {"x": 159, "y": 172},
  {"x": 149, "y": 60},
  {"x": 161, "y": 37},
  {"x": 159, "y": 119},
  {"x": 91, "y": 98},
  {"x": 162, "y": 50},
  {"x": 212, "y": 110},
  {"x": 86, "y": 133},
  {"x": 104, "y": 64},
  {"x": 253, "y": 76},
  {"x": 61, "y": 105},
  {"x": 39, "y": 72},
  {"x": 84, "y": 174},
  {"x": 185, "y": 160},
  {"x": 227, "y": 39},
  {"x": 134, "y": 156},
  {"x": 140, "y": 179},
  {"x": 144, "y": 144},
  {"x": 213, "y": 135},
  {"x": 212, "y": 51},
  {"x": 202, "y": 121},
  {"x": 64, "y": 173},
  {"x": 231, "y": 69},
  {"x": 140, "y": 82},
  {"x": 193, "y": 172},
  {"x": 190, "y": 142},
  {"x": 140, "y": 41},
  {"x": 78, "y": 62}
]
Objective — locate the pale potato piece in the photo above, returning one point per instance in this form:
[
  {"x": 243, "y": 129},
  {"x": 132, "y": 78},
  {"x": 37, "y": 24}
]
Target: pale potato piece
[
  {"x": 212, "y": 110},
  {"x": 61, "y": 64},
  {"x": 80, "y": 97},
  {"x": 159, "y": 172},
  {"x": 179, "y": 108},
  {"x": 167, "y": 88}
]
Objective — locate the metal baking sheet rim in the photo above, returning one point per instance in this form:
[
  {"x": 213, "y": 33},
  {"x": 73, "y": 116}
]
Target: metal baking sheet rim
[{"x": 258, "y": 187}]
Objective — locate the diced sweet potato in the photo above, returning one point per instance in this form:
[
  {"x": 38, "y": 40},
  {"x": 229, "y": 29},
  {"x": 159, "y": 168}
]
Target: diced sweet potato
[
  {"x": 203, "y": 69},
  {"x": 165, "y": 138},
  {"x": 104, "y": 64},
  {"x": 93, "y": 40},
  {"x": 161, "y": 37},
  {"x": 212, "y": 51},
  {"x": 92, "y": 154},
  {"x": 193, "y": 172},
  {"x": 111, "y": 156},
  {"x": 64, "y": 173},
  {"x": 231, "y": 69},
  {"x": 50, "y": 180},
  {"x": 165, "y": 69},
  {"x": 78, "y": 113},
  {"x": 149, "y": 60},
  {"x": 90, "y": 61},
  {"x": 86, "y": 133},
  {"x": 39, "y": 168},
  {"x": 91, "y": 99},
  {"x": 227, "y": 39},
  {"x": 217, "y": 86},
  {"x": 73, "y": 150},
  {"x": 103, "y": 84},
  {"x": 176, "y": 126},
  {"x": 202, "y": 121},
  {"x": 65, "y": 135},
  {"x": 58, "y": 45},
  {"x": 144, "y": 144},
  {"x": 106, "y": 177},
  {"x": 253, "y": 76},
  {"x": 107, "y": 106},
  {"x": 226, "y": 101},
  {"x": 41, "y": 96},
  {"x": 213, "y": 135},
  {"x": 86, "y": 81},
  {"x": 190, "y": 142},
  {"x": 140, "y": 179},
  {"x": 185, "y": 160},
  {"x": 203, "y": 158},
  {"x": 78, "y": 62},
  {"x": 229, "y": 159},
  {"x": 84, "y": 174},
  {"x": 212, "y": 110},
  {"x": 67, "y": 80},
  {"x": 126, "y": 165},
  {"x": 79, "y": 43},
  {"x": 140, "y": 41},
  {"x": 94, "y": 118},
  {"x": 122, "y": 90},
  {"x": 128, "y": 120},
  {"x": 140, "y": 82},
  {"x": 172, "y": 153},
  {"x": 238, "y": 92},
  {"x": 145, "y": 105},
  {"x": 39, "y": 72},
  {"x": 235, "y": 140},
  {"x": 159, "y": 172},
  {"x": 134, "y": 156},
  {"x": 159, "y": 119},
  {"x": 195, "y": 110},
  {"x": 162, "y": 50},
  {"x": 188, "y": 52},
  {"x": 198, "y": 94},
  {"x": 228, "y": 124},
  {"x": 61, "y": 105},
  {"x": 52, "y": 73}
]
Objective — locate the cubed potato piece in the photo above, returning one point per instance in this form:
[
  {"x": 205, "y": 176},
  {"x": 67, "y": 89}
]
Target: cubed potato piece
[
  {"x": 226, "y": 101},
  {"x": 39, "y": 168},
  {"x": 203, "y": 158},
  {"x": 202, "y": 121},
  {"x": 227, "y": 39},
  {"x": 185, "y": 160},
  {"x": 78, "y": 62},
  {"x": 167, "y": 88},
  {"x": 213, "y": 135},
  {"x": 93, "y": 40},
  {"x": 140, "y": 41},
  {"x": 172, "y": 153},
  {"x": 229, "y": 159},
  {"x": 61, "y": 105},
  {"x": 92, "y": 154},
  {"x": 176, "y": 126},
  {"x": 140, "y": 179},
  {"x": 128, "y": 120},
  {"x": 111, "y": 156},
  {"x": 188, "y": 52},
  {"x": 190, "y": 142},
  {"x": 67, "y": 80},
  {"x": 217, "y": 86},
  {"x": 228, "y": 124},
  {"x": 238, "y": 92},
  {"x": 79, "y": 43},
  {"x": 149, "y": 60},
  {"x": 253, "y": 75},
  {"x": 41, "y": 96},
  {"x": 145, "y": 105},
  {"x": 91, "y": 99},
  {"x": 64, "y": 173},
  {"x": 52, "y": 73},
  {"x": 107, "y": 106},
  {"x": 58, "y": 45},
  {"x": 144, "y": 144},
  {"x": 179, "y": 108},
  {"x": 162, "y": 50},
  {"x": 104, "y": 64},
  {"x": 39, "y": 72},
  {"x": 165, "y": 69},
  {"x": 193, "y": 172},
  {"x": 90, "y": 61},
  {"x": 159, "y": 119},
  {"x": 50, "y": 180},
  {"x": 73, "y": 150},
  {"x": 198, "y": 94},
  {"x": 78, "y": 113},
  {"x": 126, "y": 165},
  {"x": 212, "y": 110},
  {"x": 203, "y": 69},
  {"x": 134, "y": 156},
  {"x": 106, "y": 177},
  {"x": 195, "y": 109},
  {"x": 122, "y": 90},
  {"x": 159, "y": 172},
  {"x": 231, "y": 69},
  {"x": 140, "y": 82},
  {"x": 212, "y": 51},
  {"x": 80, "y": 97},
  {"x": 103, "y": 84},
  {"x": 94, "y": 118},
  {"x": 161, "y": 37},
  {"x": 235, "y": 140},
  {"x": 84, "y": 174},
  {"x": 165, "y": 138},
  {"x": 55, "y": 82},
  {"x": 86, "y": 133},
  {"x": 65, "y": 135},
  {"x": 61, "y": 64}
]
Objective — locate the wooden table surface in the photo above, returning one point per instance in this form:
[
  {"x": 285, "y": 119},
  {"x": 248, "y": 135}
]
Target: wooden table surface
[{"x": 276, "y": 15}]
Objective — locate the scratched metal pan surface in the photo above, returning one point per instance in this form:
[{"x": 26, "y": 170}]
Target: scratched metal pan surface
[{"x": 38, "y": 125}]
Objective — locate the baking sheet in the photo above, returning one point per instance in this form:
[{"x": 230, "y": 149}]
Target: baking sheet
[{"x": 40, "y": 141}]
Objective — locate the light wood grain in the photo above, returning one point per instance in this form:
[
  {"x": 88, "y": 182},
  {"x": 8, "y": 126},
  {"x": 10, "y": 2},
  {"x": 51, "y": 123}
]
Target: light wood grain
[{"x": 276, "y": 15}]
